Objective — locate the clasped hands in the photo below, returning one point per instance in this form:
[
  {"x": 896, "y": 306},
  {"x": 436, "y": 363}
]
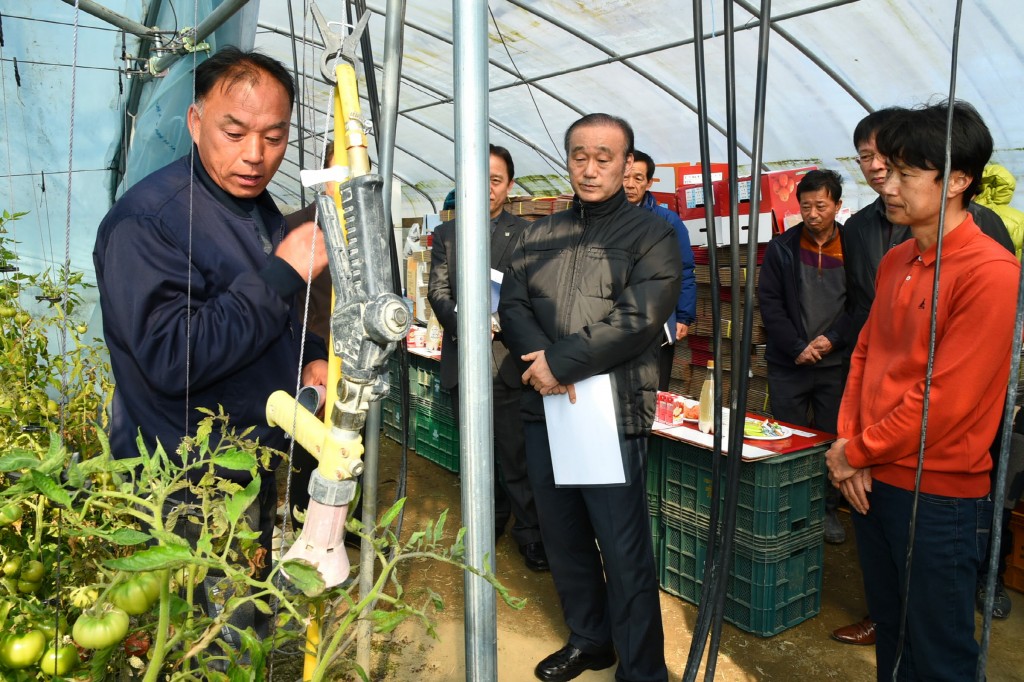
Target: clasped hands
[
  {"x": 815, "y": 351},
  {"x": 539, "y": 376},
  {"x": 855, "y": 484}
]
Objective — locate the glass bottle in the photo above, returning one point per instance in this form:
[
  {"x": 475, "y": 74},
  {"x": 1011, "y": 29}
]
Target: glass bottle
[{"x": 706, "y": 419}]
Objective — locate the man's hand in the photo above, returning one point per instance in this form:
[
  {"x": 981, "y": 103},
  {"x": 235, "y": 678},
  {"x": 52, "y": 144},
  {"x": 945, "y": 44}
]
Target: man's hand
[
  {"x": 822, "y": 345},
  {"x": 856, "y": 488},
  {"x": 808, "y": 356},
  {"x": 539, "y": 376},
  {"x": 315, "y": 373},
  {"x": 297, "y": 245},
  {"x": 682, "y": 330},
  {"x": 854, "y": 483}
]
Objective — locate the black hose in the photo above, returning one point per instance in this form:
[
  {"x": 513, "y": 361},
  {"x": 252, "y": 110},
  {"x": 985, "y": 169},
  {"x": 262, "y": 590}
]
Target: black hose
[
  {"x": 926, "y": 401},
  {"x": 741, "y": 346}
]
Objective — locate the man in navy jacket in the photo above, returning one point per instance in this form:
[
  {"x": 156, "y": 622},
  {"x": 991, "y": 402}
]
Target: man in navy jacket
[
  {"x": 197, "y": 277},
  {"x": 637, "y": 184}
]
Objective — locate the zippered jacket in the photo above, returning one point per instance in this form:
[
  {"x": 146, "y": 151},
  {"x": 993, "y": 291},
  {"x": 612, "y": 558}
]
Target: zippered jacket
[
  {"x": 592, "y": 287},
  {"x": 196, "y": 313}
]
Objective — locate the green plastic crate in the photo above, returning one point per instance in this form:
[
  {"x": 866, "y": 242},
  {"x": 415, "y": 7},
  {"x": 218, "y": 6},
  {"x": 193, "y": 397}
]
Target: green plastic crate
[
  {"x": 437, "y": 435},
  {"x": 778, "y": 497},
  {"x": 767, "y": 592},
  {"x": 391, "y": 422}
]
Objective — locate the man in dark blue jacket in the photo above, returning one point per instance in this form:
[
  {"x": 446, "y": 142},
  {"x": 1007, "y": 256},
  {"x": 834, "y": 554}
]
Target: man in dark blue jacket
[
  {"x": 197, "y": 277},
  {"x": 637, "y": 184}
]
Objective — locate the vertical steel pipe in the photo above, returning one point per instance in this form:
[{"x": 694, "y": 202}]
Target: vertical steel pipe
[{"x": 473, "y": 237}]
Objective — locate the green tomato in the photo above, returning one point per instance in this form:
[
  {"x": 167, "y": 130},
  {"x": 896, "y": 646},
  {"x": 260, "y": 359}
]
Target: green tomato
[
  {"x": 28, "y": 586},
  {"x": 12, "y": 566},
  {"x": 7, "y": 311},
  {"x": 82, "y": 328},
  {"x": 33, "y": 571},
  {"x": 132, "y": 597},
  {"x": 10, "y": 513},
  {"x": 151, "y": 583},
  {"x": 21, "y": 651},
  {"x": 59, "y": 661},
  {"x": 22, "y": 317},
  {"x": 101, "y": 629}
]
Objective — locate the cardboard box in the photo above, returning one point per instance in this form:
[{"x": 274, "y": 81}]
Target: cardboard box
[
  {"x": 777, "y": 198},
  {"x": 689, "y": 189}
]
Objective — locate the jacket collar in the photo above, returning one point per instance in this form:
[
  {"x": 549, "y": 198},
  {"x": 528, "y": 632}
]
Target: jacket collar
[{"x": 599, "y": 209}]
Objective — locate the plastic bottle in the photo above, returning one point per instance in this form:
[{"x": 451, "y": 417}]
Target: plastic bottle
[
  {"x": 433, "y": 334},
  {"x": 706, "y": 419}
]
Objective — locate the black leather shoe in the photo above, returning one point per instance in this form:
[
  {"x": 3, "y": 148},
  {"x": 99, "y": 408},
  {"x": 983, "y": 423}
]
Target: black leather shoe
[
  {"x": 569, "y": 663},
  {"x": 534, "y": 556}
]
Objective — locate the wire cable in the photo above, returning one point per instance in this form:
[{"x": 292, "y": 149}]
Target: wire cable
[
  {"x": 932, "y": 332},
  {"x": 529, "y": 88}
]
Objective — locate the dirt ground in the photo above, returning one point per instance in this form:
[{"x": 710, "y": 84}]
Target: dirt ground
[{"x": 804, "y": 652}]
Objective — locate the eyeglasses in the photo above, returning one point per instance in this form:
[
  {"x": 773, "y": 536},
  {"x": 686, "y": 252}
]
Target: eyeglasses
[{"x": 865, "y": 159}]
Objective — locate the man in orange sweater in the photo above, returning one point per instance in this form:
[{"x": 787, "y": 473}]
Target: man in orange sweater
[{"x": 875, "y": 458}]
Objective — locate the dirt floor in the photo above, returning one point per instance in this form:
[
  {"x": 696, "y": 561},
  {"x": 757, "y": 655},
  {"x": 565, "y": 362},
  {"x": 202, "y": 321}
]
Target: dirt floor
[{"x": 804, "y": 652}]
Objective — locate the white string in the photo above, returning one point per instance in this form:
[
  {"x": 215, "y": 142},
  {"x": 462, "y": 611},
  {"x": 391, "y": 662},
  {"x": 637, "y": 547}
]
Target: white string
[
  {"x": 188, "y": 287},
  {"x": 66, "y": 271}
]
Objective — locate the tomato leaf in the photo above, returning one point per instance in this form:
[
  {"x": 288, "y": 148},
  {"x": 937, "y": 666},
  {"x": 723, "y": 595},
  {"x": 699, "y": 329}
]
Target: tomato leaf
[
  {"x": 386, "y": 621},
  {"x": 236, "y": 505},
  {"x": 235, "y": 459},
  {"x": 390, "y": 514},
  {"x": 50, "y": 488},
  {"x": 152, "y": 559},
  {"x": 304, "y": 576},
  {"x": 18, "y": 459}
]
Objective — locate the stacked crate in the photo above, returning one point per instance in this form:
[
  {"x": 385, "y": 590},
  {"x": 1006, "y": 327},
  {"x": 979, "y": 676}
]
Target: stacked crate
[
  {"x": 776, "y": 576},
  {"x": 391, "y": 405},
  {"x": 437, "y": 432}
]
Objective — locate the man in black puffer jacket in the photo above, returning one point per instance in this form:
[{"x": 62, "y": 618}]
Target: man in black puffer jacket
[{"x": 587, "y": 293}]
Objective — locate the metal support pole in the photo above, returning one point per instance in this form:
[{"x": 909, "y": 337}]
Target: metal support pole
[
  {"x": 371, "y": 474},
  {"x": 385, "y": 154},
  {"x": 475, "y": 427},
  {"x": 113, "y": 18},
  {"x": 207, "y": 26},
  {"x": 394, "y": 22}
]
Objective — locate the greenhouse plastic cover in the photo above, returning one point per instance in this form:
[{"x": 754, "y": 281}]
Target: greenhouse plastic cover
[{"x": 64, "y": 91}]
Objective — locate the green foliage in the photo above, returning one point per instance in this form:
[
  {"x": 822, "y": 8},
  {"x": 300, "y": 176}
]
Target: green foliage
[
  {"x": 45, "y": 389},
  {"x": 91, "y": 523}
]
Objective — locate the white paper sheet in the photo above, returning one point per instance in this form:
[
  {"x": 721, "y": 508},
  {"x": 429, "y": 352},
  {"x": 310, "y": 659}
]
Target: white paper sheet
[{"x": 584, "y": 439}]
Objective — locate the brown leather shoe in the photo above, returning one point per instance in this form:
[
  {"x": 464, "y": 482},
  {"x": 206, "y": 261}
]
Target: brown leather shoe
[{"x": 862, "y": 632}]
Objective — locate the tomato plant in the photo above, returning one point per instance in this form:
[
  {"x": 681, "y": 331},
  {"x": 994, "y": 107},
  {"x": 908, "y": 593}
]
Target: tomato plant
[
  {"x": 19, "y": 651},
  {"x": 101, "y": 629}
]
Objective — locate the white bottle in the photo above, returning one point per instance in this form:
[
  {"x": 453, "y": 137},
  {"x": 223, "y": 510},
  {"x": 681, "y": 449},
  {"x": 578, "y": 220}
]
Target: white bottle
[{"x": 706, "y": 419}]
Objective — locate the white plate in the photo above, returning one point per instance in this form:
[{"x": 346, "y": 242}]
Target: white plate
[{"x": 786, "y": 432}]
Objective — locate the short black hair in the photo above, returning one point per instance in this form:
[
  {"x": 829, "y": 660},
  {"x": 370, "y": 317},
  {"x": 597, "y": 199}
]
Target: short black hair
[
  {"x": 917, "y": 138},
  {"x": 237, "y": 66},
  {"x": 870, "y": 124},
  {"x": 823, "y": 178},
  {"x": 505, "y": 156},
  {"x": 646, "y": 159},
  {"x": 602, "y": 120}
]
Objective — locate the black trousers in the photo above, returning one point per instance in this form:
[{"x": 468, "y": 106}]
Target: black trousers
[
  {"x": 807, "y": 395},
  {"x": 598, "y": 542},
  {"x": 513, "y": 497}
]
